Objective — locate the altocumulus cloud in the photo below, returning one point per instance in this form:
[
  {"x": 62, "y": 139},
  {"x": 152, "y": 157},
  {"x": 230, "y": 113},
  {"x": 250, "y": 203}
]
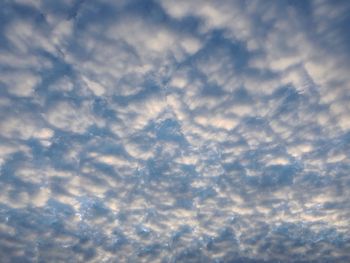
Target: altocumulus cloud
[{"x": 174, "y": 131}]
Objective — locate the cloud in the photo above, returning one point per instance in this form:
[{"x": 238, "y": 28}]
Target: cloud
[
  {"x": 66, "y": 117},
  {"x": 175, "y": 131}
]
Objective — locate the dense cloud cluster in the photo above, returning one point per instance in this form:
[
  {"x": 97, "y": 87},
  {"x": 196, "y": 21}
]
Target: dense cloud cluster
[{"x": 174, "y": 131}]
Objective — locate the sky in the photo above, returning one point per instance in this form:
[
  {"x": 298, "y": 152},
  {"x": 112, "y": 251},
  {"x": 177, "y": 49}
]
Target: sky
[{"x": 174, "y": 131}]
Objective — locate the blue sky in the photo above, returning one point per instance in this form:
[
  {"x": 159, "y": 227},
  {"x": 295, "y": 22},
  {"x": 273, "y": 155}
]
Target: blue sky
[{"x": 174, "y": 131}]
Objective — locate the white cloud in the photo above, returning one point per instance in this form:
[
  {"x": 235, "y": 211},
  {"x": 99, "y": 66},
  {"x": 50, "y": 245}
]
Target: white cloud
[
  {"x": 24, "y": 127},
  {"x": 95, "y": 87},
  {"x": 217, "y": 122},
  {"x": 24, "y": 37},
  {"x": 67, "y": 117},
  {"x": 215, "y": 139},
  {"x": 20, "y": 84},
  {"x": 7, "y": 149},
  {"x": 137, "y": 152}
]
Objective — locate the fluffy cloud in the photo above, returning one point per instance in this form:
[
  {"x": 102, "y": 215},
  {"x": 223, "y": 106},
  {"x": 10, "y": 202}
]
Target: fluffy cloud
[{"x": 174, "y": 131}]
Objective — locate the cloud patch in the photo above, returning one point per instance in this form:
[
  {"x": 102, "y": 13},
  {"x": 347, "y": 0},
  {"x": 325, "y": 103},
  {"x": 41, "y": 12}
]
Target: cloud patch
[{"x": 174, "y": 131}]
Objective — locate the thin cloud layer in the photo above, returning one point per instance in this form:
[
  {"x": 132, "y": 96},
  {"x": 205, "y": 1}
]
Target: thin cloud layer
[{"x": 174, "y": 131}]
